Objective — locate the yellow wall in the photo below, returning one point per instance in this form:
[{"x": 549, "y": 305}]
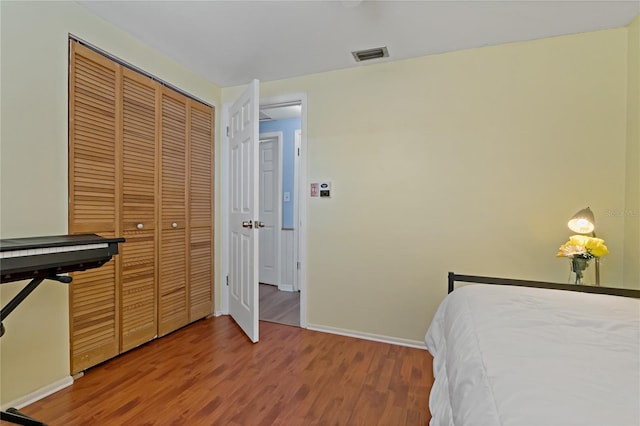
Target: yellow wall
[
  {"x": 471, "y": 162},
  {"x": 631, "y": 212},
  {"x": 34, "y": 352}
]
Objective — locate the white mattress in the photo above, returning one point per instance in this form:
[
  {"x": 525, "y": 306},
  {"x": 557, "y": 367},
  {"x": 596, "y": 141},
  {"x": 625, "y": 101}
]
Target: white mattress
[{"x": 525, "y": 356}]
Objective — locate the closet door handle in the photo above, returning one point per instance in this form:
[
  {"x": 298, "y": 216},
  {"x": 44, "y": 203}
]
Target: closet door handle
[
  {"x": 139, "y": 226},
  {"x": 174, "y": 225}
]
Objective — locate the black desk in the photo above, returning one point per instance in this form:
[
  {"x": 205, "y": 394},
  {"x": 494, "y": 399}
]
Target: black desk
[{"x": 45, "y": 258}]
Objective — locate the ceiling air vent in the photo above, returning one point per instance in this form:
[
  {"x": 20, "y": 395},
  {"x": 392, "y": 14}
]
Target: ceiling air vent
[{"x": 365, "y": 55}]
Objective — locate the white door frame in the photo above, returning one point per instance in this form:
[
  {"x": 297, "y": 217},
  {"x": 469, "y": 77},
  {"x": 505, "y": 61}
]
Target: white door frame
[
  {"x": 278, "y": 138},
  {"x": 299, "y": 194},
  {"x": 303, "y": 184}
]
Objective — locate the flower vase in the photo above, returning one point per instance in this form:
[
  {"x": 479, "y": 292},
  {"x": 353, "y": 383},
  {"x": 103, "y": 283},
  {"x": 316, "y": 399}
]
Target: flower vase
[{"x": 578, "y": 265}]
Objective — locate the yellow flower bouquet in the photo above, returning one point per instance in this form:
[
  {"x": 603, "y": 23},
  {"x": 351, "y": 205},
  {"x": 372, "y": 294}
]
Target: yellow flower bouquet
[{"x": 580, "y": 249}]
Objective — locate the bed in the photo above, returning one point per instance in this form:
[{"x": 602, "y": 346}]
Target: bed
[{"x": 520, "y": 354}]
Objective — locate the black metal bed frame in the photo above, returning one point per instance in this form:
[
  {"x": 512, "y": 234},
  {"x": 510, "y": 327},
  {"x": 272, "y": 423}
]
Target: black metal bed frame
[{"x": 624, "y": 292}]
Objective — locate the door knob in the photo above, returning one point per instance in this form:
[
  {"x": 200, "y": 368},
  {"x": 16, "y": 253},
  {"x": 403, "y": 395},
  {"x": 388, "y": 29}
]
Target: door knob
[
  {"x": 174, "y": 225},
  {"x": 247, "y": 224},
  {"x": 139, "y": 226},
  {"x": 259, "y": 224}
]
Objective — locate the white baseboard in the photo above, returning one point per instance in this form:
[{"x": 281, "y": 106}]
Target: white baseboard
[
  {"x": 286, "y": 287},
  {"x": 369, "y": 336},
  {"x": 219, "y": 313},
  {"x": 39, "y": 394},
  {"x": 359, "y": 335}
]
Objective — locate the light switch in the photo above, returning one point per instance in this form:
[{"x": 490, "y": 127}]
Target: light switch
[{"x": 287, "y": 196}]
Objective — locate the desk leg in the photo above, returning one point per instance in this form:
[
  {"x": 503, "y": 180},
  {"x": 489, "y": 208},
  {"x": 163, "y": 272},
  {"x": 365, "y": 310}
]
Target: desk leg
[
  {"x": 13, "y": 303},
  {"x": 14, "y": 416}
]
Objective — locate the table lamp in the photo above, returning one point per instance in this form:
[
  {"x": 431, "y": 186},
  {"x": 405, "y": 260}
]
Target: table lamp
[{"x": 584, "y": 222}]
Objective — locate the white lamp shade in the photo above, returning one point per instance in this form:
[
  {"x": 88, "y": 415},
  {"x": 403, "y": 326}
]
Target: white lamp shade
[{"x": 582, "y": 222}]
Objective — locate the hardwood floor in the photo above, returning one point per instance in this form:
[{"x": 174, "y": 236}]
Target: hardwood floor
[
  {"x": 278, "y": 306},
  {"x": 209, "y": 373}
]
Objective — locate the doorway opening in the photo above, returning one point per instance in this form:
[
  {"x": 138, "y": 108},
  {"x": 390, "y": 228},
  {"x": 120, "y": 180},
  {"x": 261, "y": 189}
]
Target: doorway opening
[{"x": 280, "y": 130}]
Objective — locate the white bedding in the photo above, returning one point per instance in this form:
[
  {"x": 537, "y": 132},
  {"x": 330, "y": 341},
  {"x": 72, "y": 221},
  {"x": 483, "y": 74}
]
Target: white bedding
[{"x": 521, "y": 356}]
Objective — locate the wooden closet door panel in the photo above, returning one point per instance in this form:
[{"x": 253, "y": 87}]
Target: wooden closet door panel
[
  {"x": 173, "y": 312},
  {"x": 94, "y": 85},
  {"x": 138, "y": 278},
  {"x": 201, "y": 273},
  {"x": 201, "y": 165},
  {"x": 93, "y": 307},
  {"x": 201, "y": 211},
  {"x": 92, "y": 147},
  {"x": 173, "y": 297}
]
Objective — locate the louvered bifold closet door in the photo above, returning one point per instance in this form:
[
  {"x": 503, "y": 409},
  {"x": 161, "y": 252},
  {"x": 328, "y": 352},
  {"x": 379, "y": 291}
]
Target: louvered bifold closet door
[
  {"x": 173, "y": 297},
  {"x": 200, "y": 210},
  {"x": 138, "y": 279},
  {"x": 93, "y": 120}
]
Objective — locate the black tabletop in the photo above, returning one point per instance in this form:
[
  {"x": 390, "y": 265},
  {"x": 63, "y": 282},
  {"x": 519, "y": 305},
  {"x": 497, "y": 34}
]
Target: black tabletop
[{"x": 11, "y": 244}]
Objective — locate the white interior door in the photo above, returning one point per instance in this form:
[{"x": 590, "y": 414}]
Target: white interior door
[
  {"x": 270, "y": 208},
  {"x": 243, "y": 194}
]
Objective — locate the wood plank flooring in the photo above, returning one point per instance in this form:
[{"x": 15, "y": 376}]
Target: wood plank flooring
[
  {"x": 209, "y": 373},
  {"x": 278, "y": 306}
]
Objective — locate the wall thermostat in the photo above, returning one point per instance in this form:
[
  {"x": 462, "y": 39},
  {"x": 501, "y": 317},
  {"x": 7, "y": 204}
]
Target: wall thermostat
[
  {"x": 321, "y": 189},
  {"x": 325, "y": 189}
]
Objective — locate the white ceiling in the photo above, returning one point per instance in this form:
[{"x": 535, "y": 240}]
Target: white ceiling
[{"x": 232, "y": 42}]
